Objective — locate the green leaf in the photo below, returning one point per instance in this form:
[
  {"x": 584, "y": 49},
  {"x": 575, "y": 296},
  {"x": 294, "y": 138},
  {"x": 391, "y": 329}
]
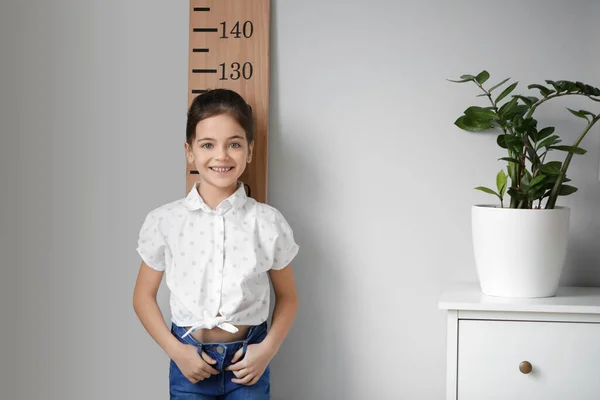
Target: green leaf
[
  {"x": 543, "y": 89},
  {"x": 506, "y": 141},
  {"x": 570, "y": 149},
  {"x": 551, "y": 168},
  {"x": 514, "y": 192},
  {"x": 554, "y": 164},
  {"x": 590, "y": 90},
  {"x": 520, "y": 109},
  {"x": 526, "y": 178},
  {"x": 510, "y": 159},
  {"x": 566, "y": 190},
  {"x": 498, "y": 85},
  {"x": 480, "y": 114},
  {"x": 526, "y": 125},
  {"x": 536, "y": 194},
  {"x": 538, "y": 179},
  {"x": 544, "y": 133},
  {"x": 578, "y": 114},
  {"x": 464, "y": 78},
  {"x": 468, "y": 124},
  {"x": 588, "y": 113},
  {"x": 562, "y": 86},
  {"x": 594, "y": 91},
  {"x": 572, "y": 86},
  {"x": 506, "y": 92},
  {"x": 528, "y": 102},
  {"x": 551, "y": 180},
  {"x": 552, "y": 140},
  {"x": 511, "y": 169},
  {"x": 507, "y": 108},
  {"x": 488, "y": 191},
  {"x": 482, "y": 77},
  {"x": 501, "y": 180},
  {"x": 555, "y": 85},
  {"x": 533, "y": 156}
]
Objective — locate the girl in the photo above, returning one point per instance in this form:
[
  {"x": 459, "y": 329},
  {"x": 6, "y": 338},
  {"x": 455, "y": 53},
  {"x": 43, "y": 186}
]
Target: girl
[{"x": 217, "y": 248}]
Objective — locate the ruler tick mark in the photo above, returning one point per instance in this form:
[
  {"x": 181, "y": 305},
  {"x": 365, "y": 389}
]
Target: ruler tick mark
[
  {"x": 206, "y": 30},
  {"x": 204, "y": 71}
]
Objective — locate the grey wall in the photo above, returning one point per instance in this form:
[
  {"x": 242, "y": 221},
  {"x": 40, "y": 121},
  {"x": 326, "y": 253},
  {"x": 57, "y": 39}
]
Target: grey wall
[
  {"x": 364, "y": 162},
  {"x": 9, "y": 224}
]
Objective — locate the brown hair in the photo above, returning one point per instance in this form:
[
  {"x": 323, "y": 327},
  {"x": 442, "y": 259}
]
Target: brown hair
[{"x": 217, "y": 102}]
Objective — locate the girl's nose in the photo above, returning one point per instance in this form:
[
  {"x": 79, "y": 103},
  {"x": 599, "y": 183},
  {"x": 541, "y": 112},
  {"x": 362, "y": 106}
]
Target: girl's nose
[{"x": 222, "y": 154}]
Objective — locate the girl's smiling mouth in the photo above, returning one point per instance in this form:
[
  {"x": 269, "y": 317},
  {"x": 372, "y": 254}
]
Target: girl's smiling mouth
[{"x": 221, "y": 170}]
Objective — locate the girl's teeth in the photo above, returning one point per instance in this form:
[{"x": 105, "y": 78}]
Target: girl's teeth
[{"x": 221, "y": 169}]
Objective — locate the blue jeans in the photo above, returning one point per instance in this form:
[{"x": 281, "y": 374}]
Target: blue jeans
[{"x": 219, "y": 387}]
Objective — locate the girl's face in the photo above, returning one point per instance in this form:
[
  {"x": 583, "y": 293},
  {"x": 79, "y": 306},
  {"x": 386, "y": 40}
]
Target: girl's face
[{"x": 220, "y": 151}]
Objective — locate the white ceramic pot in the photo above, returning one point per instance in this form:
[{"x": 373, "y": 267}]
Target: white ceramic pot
[{"x": 519, "y": 253}]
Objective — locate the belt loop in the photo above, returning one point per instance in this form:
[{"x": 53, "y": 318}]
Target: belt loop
[
  {"x": 250, "y": 333},
  {"x": 244, "y": 348}
]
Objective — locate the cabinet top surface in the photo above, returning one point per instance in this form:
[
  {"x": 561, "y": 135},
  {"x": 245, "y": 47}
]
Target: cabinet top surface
[{"x": 568, "y": 299}]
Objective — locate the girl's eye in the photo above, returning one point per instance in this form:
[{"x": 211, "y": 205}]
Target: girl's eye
[
  {"x": 207, "y": 145},
  {"x": 235, "y": 145}
]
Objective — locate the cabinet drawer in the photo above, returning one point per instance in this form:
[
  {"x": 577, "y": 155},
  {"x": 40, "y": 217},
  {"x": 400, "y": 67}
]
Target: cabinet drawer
[{"x": 565, "y": 360}]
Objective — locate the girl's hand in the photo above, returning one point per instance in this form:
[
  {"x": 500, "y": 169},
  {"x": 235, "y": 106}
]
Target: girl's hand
[
  {"x": 250, "y": 369},
  {"x": 192, "y": 366}
]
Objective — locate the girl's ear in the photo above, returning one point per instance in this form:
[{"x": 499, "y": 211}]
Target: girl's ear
[
  {"x": 188, "y": 153},
  {"x": 250, "y": 151}
]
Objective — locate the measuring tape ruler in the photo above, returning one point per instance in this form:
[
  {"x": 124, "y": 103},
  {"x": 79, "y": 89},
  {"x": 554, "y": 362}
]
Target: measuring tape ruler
[{"x": 229, "y": 48}]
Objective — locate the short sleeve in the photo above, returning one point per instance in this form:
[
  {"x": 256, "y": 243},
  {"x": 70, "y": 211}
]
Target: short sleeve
[
  {"x": 151, "y": 243},
  {"x": 286, "y": 248}
]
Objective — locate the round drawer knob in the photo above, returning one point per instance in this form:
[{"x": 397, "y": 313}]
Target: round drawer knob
[{"x": 525, "y": 367}]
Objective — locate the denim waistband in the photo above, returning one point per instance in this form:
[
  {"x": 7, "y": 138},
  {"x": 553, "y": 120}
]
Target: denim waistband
[
  {"x": 254, "y": 334},
  {"x": 223, "y": 352}
]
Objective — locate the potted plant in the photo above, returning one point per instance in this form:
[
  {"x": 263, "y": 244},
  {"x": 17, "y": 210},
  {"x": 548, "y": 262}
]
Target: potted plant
[{"x": 520, "y": 244}]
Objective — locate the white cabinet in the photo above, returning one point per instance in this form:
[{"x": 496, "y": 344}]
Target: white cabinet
[{"x": 523, "y": 349}]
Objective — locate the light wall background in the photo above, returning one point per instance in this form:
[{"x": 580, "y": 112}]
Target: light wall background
[{"x": 364, "y": 162}]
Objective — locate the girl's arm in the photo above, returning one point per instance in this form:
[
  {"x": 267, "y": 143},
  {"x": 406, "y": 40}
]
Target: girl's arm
[
  {"x": 193, "y": 366},
  {"x": 286, "y": 305},
  {"x": 251, "y": 368},
  {"x": 147, "y": 310}
]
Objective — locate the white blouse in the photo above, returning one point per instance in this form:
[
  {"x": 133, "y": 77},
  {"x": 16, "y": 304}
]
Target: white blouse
[{"x": 216, "y": 261}]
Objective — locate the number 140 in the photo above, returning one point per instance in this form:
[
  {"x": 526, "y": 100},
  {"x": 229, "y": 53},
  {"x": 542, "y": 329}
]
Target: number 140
[{"x": 247, "y": 30}]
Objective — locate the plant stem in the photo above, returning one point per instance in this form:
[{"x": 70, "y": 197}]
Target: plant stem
[
  {"x": 544, "y": 99},
  {"x": 563, "y": 171},
  {"x": 537, "y": 170},
  {"x": 522, "y": 172},
  {"x": 514, "y": 176}
]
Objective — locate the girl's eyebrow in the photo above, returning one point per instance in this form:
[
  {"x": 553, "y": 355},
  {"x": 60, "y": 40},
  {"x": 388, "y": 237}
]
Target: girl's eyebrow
[{"x": 232, "y": 137}]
